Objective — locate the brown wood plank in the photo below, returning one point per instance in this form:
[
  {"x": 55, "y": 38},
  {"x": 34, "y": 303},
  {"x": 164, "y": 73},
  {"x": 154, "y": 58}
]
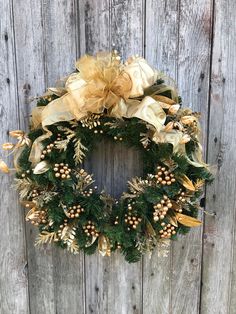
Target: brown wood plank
[
  {"x": 13, "y": 262},
  {"x": 218, "y": 290}
]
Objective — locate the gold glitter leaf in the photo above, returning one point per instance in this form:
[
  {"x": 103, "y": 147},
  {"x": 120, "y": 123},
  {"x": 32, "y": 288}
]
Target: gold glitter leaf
[
  {"x": 187, "y": 220},
  {"x": 186, "y": 182},
  {"x": 8, "y": 146},
  {"x": 17, "y": 133},
  {"x": 41, "y": 167},
  {"x": 3, "y": 167},
  {"x": 150, "y": 229},
  {"x": 104, "y": 245},
  {"x": 173, "y": 220}
]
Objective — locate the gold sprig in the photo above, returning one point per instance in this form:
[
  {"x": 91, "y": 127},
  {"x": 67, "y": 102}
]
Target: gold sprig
[
  {"x": 80, "y": 150},
  {"x": 24, "y": 186},
  {"x": 46, "y": 237},
  {"x": 84, "y": 180}
]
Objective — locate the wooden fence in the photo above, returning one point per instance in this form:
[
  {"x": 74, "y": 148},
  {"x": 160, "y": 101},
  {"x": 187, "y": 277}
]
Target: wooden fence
[{"x": 194, "y": 41}]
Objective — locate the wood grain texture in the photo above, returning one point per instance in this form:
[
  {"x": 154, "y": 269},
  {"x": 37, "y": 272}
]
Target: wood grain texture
[
  {"x": 13, "y": 262},
  {"x": 162, "y": 52},
  {"x": 40, "y": 40},
  {"x": 193, "y": 82},
  {"x": 114, "y": 164},
  {"x": 218, "y": 290},
  {"x": 61, "y": 48},
  {"x": 32, "y": 82}
]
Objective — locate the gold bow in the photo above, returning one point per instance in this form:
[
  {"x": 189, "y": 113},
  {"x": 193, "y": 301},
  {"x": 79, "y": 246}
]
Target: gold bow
[{"x": 101, "y": 83}]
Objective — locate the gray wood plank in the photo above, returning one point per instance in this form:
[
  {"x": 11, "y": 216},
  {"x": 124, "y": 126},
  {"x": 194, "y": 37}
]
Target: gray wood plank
[
  {"x": 13, "y": 262},
  {"x": 94, "y": 21},
  {"x": 127, "y": 30},
  {"x": 161, "y": 52},
  {"x": 218, "y": 290},
  {"x": 112, "y": 286},
  {"x": 30, "y": 56},
  {"x": 193, "y": 82},
  {"x": 60, "y": 37}
]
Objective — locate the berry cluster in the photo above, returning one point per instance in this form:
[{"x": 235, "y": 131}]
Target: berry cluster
[
  {"x": 90, "y": 229},
  {"x": 164, "y": 176},
  {"x": 132, "y": 220},
  {"x": 62, "y": 171},
  {"x": 161, "y": 208},
  {"x": 74, "y": 211},
  {"x": 49, "y": 147},
  {"x": 167, "y": 230}
]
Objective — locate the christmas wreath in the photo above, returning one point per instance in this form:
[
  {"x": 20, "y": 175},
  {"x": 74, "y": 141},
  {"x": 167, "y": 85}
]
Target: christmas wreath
[{"x": 124, "y": 102}]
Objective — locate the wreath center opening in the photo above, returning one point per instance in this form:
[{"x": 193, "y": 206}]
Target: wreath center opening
[{"x": 113, "y": 165}]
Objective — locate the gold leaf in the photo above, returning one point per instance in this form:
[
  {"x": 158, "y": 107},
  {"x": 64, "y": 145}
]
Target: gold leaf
[
  {"x": 150, "y": 229},
  {"x": 94, "y": 238},
  {"x": 185, "y": 139},
  {"x": 46, "y": 237},
  {"x": 169, "y": 126},
  {"x": 175, "y": 206},
  {"x": 173, "y": 220},
  {"x": 186, "y": 182},
  {"x": 188, "y": 119},
  {"x": 164, "y": 100},
  {"x": 3, "y": 167},
  {"x": 173, "y": 109},
  {"x": 7, "y": 146},
  {"x": 188, "y": 220},
  {"x": 41, "y": 167},
  {"x": 199, "y": 184},
  {"x": 104, "y": 245},
  {"x": 32, "y": 214},
  {"x": 17, "y": 133}
]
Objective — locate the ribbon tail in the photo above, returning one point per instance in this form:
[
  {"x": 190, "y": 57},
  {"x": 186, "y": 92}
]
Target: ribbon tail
[
  {"x": 37, "y": 147},
  {"x": 148, "y": 110}
]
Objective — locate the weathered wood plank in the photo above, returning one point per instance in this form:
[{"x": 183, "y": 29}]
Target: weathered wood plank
[
  {"x": 31, "y": 82},
  {"x": 112, "y": 286},
  {"x": 94, "y": 21},
  {"x": 94, "y": 34},
  {"x": 13, "y": 263},
  {"x": 60, "y": 37},
  {"x": 161, "y": 52},
  {"x": 127, "y": 29},
  {"x": 218, "y": 290},
  {"x": 193, "y": 82}
]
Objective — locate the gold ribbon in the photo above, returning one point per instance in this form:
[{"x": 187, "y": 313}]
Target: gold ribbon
[{"x": 102, "y": 83}]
